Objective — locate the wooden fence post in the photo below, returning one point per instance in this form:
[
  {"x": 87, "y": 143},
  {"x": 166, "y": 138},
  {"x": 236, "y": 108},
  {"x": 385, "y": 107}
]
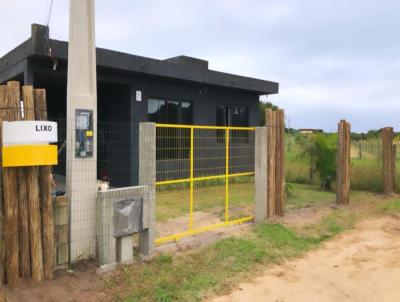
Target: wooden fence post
[
  {"x": 35, "y": 228},
  {"x": 275, "y": 123},
  {"x": 2, "y": 117},
  {"x": 10, "y": 189},
  {"x": 394, "y": 161},
  {"x": 20, "y": 206},
  {"x": 388, "y": 160},
  {"x": 280, "y": 163},
  {"x": 270, "y": 124},
  {"x": 45, "y": 195},
  {"x": 23, "y": 221},
  {"x": 343, "y": 163}
]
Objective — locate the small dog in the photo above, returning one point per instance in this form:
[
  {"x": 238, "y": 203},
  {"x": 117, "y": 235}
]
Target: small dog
[{"x": 102, "y": 186}]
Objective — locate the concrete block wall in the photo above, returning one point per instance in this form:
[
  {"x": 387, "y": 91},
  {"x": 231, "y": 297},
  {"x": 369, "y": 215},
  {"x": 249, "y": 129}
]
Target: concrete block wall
[
  {"x": 106, "y": 243},
  {"x": 61, "y": 232}
]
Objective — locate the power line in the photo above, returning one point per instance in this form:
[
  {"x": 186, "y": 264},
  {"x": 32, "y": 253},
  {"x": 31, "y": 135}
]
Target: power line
[
  {"x": 49, "y": 49},
  {"x": 49, "y": 15}
]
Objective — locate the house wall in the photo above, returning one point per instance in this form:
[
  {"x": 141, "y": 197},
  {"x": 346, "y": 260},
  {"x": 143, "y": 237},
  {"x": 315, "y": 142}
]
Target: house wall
[{"x": 117, "y": 106}]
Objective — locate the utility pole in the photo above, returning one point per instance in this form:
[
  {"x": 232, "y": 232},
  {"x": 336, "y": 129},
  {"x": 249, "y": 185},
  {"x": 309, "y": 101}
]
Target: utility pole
[{"x": 82, "y": 130}]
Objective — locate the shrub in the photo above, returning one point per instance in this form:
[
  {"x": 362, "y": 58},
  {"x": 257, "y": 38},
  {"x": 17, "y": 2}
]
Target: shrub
[{"x": 320, "y": 150}]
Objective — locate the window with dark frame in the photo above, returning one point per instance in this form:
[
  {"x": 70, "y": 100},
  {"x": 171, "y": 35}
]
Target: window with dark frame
[
  {"x": 172, "y": 143},
  {"x": 164, "y": 111},
  {"x": 232, "y": 116}
]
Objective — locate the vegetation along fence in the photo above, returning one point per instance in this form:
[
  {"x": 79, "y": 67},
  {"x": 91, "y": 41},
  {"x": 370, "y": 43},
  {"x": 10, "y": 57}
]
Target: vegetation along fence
[{"x": 204, "y": 179}]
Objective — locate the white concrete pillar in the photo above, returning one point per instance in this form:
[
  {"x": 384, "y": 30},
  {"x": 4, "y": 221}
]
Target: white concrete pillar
[
  {"x": 147, "y": 177},
  {"x": 261, "y": 174},
  {"x": 81, "y": 94}
]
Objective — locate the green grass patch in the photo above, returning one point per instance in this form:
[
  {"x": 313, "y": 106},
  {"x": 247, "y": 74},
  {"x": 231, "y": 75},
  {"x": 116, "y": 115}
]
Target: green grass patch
[
  {"x": 332, "y": 224},
  {"x": 366, "y": 174},
  {"x": 303, "y": 195},
  {"x": 189, "y": 277},
  {"x": 172, "y": 201},
  {"x": 391, "y": 207}
]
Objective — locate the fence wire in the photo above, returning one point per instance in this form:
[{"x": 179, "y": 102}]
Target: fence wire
[
  {"x": 205, "y": 178},
  {"x": 366, "y": 164},
  {"x": 113, "y": 157}
]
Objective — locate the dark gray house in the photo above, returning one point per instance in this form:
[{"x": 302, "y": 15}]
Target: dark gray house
[{"x": 133, "y": 89}]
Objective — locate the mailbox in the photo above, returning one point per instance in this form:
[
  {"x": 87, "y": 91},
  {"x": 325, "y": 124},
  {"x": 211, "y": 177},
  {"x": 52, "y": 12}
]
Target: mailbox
[{"x": 127, "y": 216}]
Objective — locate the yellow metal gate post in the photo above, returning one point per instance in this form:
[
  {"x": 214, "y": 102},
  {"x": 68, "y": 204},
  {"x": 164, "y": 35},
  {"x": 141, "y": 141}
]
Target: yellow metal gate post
[
  {"x": 226, "y": 175},
  {"x": 191, "y": 177}
]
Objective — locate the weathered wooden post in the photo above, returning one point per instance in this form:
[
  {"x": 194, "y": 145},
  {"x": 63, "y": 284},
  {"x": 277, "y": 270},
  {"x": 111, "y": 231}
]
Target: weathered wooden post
[
  {"x": 388, "y": 160},
  {"x": 394, "y": 161},
  {"x": 343, "y": 163},
  {"x": 280, "y": 163},
  {"x": 10, "y": 190},
  {"x": 2, "y": 249},
  {"x": 45, "y": 195},
  {"x": 23, "y": 224},
  {"x": 275, "y": 123},
  {"x": 270, "y": 123},
  {"x": 34, "y": 216}
]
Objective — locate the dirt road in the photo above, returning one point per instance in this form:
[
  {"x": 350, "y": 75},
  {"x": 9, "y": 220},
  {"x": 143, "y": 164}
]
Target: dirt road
[{"x": 360, "y": 265}]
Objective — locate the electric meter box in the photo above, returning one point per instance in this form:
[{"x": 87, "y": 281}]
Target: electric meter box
[
  {"x": 127, "y": 216},
  {"x": 83, "y": 133}
]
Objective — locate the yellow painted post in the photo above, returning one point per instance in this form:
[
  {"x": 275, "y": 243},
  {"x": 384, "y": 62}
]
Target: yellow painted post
[
  {"x": 227, "y": 175},
  {"x": 191, "y": 178}
]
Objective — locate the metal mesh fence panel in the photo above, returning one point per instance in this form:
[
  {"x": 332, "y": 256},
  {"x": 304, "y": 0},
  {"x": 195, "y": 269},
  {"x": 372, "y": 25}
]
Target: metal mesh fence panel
[
  {"x": 366, "y": 171},
  {"x": 113, "y": 157},
  {"x": 205, "y": 179}
]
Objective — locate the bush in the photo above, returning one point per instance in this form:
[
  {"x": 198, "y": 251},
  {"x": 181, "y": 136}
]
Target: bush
[{"x": 320, "y": 151}]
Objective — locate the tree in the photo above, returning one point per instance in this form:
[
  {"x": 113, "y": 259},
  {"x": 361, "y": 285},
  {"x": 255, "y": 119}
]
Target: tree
[{"x": 261, "y": 108}]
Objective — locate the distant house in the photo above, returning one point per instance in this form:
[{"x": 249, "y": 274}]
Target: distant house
[{"x": 310, "y": 131}]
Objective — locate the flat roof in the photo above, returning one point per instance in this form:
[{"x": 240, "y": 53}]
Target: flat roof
[{"x": 179, "y": 68}]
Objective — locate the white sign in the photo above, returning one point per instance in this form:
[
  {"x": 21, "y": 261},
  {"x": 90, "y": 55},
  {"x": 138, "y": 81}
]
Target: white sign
[
  {"x": 138, "y": 96},
  {"x": 29, "y": 132}
]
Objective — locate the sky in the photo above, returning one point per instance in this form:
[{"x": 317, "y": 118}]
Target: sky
[{"x": 333, "y": 59}]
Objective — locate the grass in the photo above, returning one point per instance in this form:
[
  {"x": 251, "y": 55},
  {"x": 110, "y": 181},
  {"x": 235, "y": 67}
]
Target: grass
[
  {"x": 190, "y": 277},
  {"x": 173, "y": 201},
  {"x": 365, "y": 173},
  {"x": 216, "y": 268},
  {"x": 391, "y": 207},
  {"x": 303, "y": 195}
]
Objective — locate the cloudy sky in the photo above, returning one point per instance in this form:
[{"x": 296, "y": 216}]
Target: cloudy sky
[{"x": 333, "y": 59}]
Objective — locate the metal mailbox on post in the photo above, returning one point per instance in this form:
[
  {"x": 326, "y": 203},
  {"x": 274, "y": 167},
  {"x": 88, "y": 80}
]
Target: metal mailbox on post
[{"x": 127, "y": 216}]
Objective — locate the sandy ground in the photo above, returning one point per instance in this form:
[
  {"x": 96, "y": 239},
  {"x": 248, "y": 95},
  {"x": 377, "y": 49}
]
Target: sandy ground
[
  {"x": 360, "y": 265},
  {"x": 81, "y": 286}
]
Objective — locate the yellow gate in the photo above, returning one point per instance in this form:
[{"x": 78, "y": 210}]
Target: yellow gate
[{"x": 205, "y": 179}]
